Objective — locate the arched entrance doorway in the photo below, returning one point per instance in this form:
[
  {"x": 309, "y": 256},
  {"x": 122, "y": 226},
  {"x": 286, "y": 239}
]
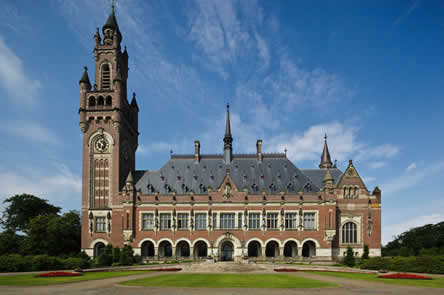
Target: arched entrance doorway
[
  {"x": 226, "y": 251},
  {"x": 182, "y": 249},
  {"x": 165, "y": 249},
  {"x": 200, "y": 250},
  {"x": 309, "y": 249},
  {"x": 254, "y": 249},
  {"x": 98, "y": 249},
  {"x": 147, "y": 249},
  {"x": 272, "y": 249},
  {"x": 291, "y": 249}
]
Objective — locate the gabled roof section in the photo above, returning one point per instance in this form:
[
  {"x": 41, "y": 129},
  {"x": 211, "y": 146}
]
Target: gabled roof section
[
  {"x": 183, "y": 175},
  {"x": 351, "y": 176},
  {"x": 317, "y": 175}
]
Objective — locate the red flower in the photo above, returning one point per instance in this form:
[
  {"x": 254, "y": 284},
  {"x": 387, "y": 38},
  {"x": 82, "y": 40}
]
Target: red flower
[
  {"x": 404, "y": 276},
  {"x": 166, "y": 269},
  {"x": 58, "y": 274}
]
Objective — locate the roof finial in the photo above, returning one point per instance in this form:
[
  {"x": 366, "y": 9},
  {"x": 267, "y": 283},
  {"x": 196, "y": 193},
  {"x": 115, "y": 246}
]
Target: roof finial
[
  {"x": 112, "y": 6},
  {"x": 228, "y": 139},
  {"x": 325, "y": 137}
]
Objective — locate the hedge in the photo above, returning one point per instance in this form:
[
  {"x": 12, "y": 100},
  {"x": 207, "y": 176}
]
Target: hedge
[
  {"x": 423, "y": 264},
  {"x": 17, "y": 263}
]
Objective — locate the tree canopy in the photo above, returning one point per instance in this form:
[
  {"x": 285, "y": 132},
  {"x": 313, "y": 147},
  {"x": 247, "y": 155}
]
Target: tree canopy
[
  {"x": 416, "y": 240},
  {"x": 20, "y": 209}
]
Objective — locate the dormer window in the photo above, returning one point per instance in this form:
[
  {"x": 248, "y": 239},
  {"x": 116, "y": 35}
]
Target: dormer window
[{"x": 106, "y": 77}]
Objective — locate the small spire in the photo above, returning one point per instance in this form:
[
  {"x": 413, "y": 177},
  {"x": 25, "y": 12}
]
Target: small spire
[
  {"x": 325, "y": 158},
  {"x": 134, "y": 101},
  {"x": 228, "y": 139},
  {"x": 130, "y": 179},
  {"x": 85, "y": 77},
  {"x": 111, "y": 23}
]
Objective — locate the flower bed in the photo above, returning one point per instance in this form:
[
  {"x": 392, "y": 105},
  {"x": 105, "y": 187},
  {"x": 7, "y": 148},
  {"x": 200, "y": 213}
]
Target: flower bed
[
  {"x": 58, "y": 274},
  {"x": 404, "y": 276}
]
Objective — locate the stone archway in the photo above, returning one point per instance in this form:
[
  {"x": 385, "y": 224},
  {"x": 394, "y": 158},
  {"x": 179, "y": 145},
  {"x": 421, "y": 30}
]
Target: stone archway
[
  {"x": 147, "y": 249},
  {"x": 309, "y": 249},
  {"x": 165, "y": 249},
  {"x": 254, "y": 249},
  {"x": 272, "y": 249},
  {"x": 98, "y": 249},
  {"x": 226, "y": 251},
  {"x": 290, "y": 249},
  {"x": 182, "y": 249},
  {"x": 200, "y": 250}
]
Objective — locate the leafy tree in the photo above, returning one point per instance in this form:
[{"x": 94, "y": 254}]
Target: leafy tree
[
  {"x": 22, "y": 208},
  {"x": 349, "y": 258},
  {"x": 11, "y": 243},
  {"x": 366, "y": 252},
  {"x": 54, "y": 235}
]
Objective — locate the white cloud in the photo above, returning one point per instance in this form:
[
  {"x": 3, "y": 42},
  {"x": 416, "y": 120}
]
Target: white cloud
[
  {"x": 31, "y": 131},
  {"x": 389, "y": 232},
  {"x": 368, "y": 179},
  {"x": 20, "y": 88},
  {"x": 55, "y": 186},
  {"x": 411, "y": 178},
  {"x": 377, "y": 164},
  {"x": 385, "y": 151},
  {"x": 411, "y": 167}
]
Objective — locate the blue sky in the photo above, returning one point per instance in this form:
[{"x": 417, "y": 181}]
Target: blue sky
[{"x": 370, "y": 74}]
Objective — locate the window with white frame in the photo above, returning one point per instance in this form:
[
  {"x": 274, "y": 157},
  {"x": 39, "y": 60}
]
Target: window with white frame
[
  {"x": 226, "y": 220},
  {"x": 290, "y": 220},
  {"x": 309, "y": 221},
  {"x": 349, "y": 233},
  {"x": 147, "y": 221},
  {"x": 100, "y": 224},
  {"x": 201, "y": 221},
  {"x": 254, "y": 220},
  {"x": 182, "y": 221},
  {"x": 239, "y": 220},
  {"x": 165, "y": 221},
  {"x": 272, "y": 220},
  {"x": 214, "y": 220}
]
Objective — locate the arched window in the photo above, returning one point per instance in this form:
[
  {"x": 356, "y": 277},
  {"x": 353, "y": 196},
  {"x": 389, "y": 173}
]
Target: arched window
[
  {"x": 350, "y": 192},
  {"x": 106, "y": 77},
  {"x": 349, "y": 233},
  {"x": 92, "y": 101},
  {"x": 345, "y": 193},
  {"x": 109, "y": 100},
  {"x": 356, "y": 192},
  {"x": 100, "y": 101}
]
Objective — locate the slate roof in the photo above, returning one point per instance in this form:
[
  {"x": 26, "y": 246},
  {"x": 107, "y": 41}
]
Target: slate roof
[{"x": 273, "y": 174}]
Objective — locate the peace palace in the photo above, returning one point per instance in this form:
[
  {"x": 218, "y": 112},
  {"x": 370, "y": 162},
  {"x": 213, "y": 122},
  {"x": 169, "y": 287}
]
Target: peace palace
[{"x": 221, "y": 207}]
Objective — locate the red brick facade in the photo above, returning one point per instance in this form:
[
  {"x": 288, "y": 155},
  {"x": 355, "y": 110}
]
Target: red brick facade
[{"x": 120, "y": 206}]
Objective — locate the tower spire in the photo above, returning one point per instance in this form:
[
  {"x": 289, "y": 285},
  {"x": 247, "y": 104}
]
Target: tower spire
[
  {"x": 111, "y": 26},
  {"x": 325, "y": 158},
  {"x": 228, "y": 139}
]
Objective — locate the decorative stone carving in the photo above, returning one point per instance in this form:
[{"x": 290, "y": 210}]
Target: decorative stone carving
[
  {"x": 128, "y": 235},
  {"x": 329, "y": 235},
  {"x": 84, "y": 126}
]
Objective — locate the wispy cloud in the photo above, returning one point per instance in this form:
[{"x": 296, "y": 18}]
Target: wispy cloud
[
  {"x": 414, "y": 4},
  {"x": 377, "y": 164},
  {"x": 412, "y": 166},
  {"x": 21, "y": 89},
  {"x": 57, "y": 185},
  {"x": 384, "y": 151},
  {"x": 411, "y": 178},
  {"x": 30, "y": 130}
]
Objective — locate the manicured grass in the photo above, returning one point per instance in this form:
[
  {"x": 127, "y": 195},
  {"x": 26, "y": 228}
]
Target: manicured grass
[
  {"x": 31, "y": 280},
  {"x": 229, "y": 281},
  {"x": 436, "y": 282}
]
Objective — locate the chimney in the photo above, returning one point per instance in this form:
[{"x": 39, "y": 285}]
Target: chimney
[
  {"x": 259, "y": 150},
  {"x": 196, "y": 151}
]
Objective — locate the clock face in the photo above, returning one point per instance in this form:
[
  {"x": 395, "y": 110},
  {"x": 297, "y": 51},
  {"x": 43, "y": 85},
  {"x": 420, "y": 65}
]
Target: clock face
[{"x": 101, "y": 144}]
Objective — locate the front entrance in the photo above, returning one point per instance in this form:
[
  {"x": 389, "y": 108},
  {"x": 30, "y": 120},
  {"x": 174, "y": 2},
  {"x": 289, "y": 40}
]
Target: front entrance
[{"x": 226, "y": 251}]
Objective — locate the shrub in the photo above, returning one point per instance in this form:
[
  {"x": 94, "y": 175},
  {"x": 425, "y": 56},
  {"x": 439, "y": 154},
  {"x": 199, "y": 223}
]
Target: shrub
[
  {"x": 116, "y": 254},
  {"x": 427, "y": 264},
  {"x": 126, "y": 255},
  {"x": 45, "y": 262},
  {"x": 365, "y": 254},
  {"x": 75, "y": 263},
  {"x": 106, "y": 258},
  {"x": 349, "y": 258}
]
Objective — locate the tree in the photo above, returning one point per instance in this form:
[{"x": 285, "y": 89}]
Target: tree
[
  {"x": 106, "y": 258},
  {"x": 116, "y": 254},
  {"x": 55, "y": 235},
  {"x": 365, "y": 254},
  {"x": 11, "y": 243},
  {"x": 22, "y": 208},
  {"x": 349, "y": 258},
  {"x": 126, "y": 255}
]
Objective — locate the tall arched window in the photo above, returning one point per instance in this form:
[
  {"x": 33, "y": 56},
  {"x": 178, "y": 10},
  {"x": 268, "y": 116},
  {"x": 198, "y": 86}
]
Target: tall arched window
[
  {"x": 349, "y": 233},
  {"x": 356, "y": 192},
  {"x": 100, "y": 101},
  {"x": 92, "y": 101},
  {"x": 106, "y": 77}
]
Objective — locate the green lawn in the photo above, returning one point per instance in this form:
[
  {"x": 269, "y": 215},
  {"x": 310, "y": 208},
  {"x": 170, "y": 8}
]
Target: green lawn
[
  {"x": 31, "y": 280},
  {"x": 436, "y": 282},
  {"x": 229, "y": 281}
]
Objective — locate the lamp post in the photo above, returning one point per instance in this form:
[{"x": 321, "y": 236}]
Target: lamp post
[
  {"x": 242, "y": 245},
  {"x": 212, "y": 243}
]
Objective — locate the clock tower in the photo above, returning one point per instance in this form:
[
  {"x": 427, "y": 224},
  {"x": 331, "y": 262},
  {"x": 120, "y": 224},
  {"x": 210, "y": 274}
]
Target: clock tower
[{"x": 109, "y": 123}]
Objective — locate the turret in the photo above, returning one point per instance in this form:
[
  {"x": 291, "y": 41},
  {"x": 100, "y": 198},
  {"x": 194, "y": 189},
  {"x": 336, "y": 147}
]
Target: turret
[{"x": 325, "y": 158}]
